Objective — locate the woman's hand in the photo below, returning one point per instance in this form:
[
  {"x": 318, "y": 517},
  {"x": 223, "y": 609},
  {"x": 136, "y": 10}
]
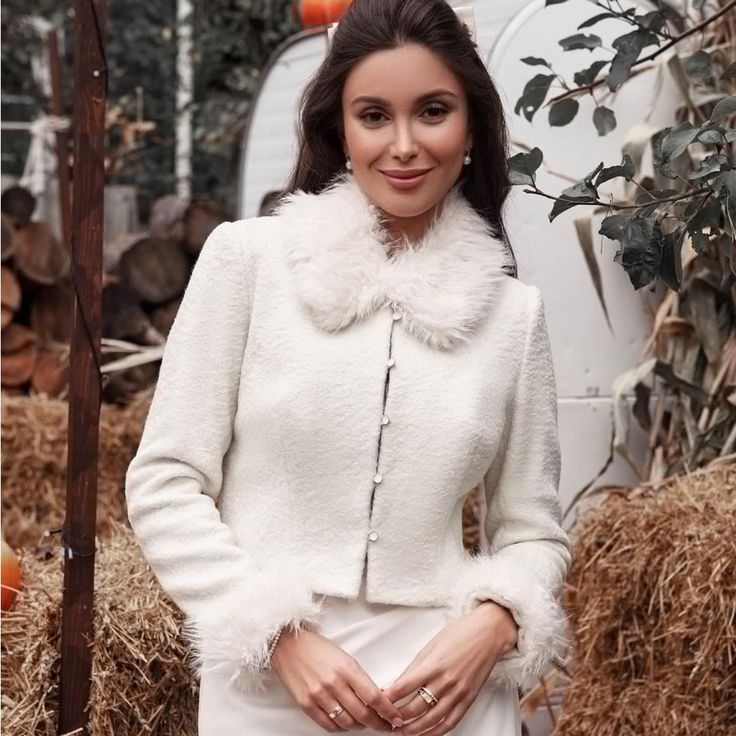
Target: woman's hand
[
  {"x": 320, "y": 675},
  {"x": 454, "y": 665}
]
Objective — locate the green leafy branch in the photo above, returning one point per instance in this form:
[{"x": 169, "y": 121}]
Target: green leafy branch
[{"x": 649, "y": 29}]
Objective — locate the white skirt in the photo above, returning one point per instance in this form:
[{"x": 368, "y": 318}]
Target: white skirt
[{"x": 384, "y": 639}]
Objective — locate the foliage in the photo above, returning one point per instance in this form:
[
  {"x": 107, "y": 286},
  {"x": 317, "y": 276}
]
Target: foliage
[
  {"x": 232, "y": 41},
  {"x": 688, "y": 206}
]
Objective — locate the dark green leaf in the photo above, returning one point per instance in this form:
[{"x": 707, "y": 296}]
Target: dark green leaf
[
  {"x": 675, "y": 141},
  {"x": 710, "y": 165},
  {"x": 729, "y": 72},
  {"x": 523, "y": 166},
  {"x": 698, "y": 67},
  {"x": 670, "y": 267},
  {"x": 702, "y": 215},
  {"x": 535, "y": 61},
  {"x": 559, "y": 207},
  {"x": 592, "y": 21},
  {"x": 580, "y": 41},
  {"x": 562, "y": 112},
  {"x": 604, "y": 120},
  {"x": 715, "y": 134},
  {"x": 652, "y": 21},
  {"x": 613, "y": 226},
  {"x": 628, "y": 47},
  {"x": 641, "y": 250},
  {"x": 724, "y": 184},
  {"x": 726, "y": 106},
  {"x": 581, "y": 192},
  {"x": 587, "y": 76},
  {"x": 625, "y": 168},
  {"x": 533, "y": 96}
]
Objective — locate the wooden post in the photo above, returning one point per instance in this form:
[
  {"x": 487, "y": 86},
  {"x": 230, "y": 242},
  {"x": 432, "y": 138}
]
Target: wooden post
[
  {"x": 62, "y": 138},
  {"x": 85, "y": 376}
]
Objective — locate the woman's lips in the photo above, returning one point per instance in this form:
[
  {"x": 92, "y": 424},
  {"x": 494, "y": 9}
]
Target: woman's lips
[{"x": 404, "y": 183}]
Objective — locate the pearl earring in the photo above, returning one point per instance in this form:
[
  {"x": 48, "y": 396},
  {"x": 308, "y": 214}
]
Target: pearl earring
[
  {"x": 348, "y": 165},
  {"x": 467, "y": 158}
]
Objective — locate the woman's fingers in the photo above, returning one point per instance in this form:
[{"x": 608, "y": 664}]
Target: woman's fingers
[
  {"x": 449, "y": 722},
  {"x": 378, "y": 702},
  {"x": 451, "y": 704},
  {"x": 361, "y": 713},
  {"x": 318, "y": 704}
]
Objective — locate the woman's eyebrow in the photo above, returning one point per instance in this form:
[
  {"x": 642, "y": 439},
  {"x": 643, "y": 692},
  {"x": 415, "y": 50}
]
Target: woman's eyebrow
[{"x": 421, "y": 98}]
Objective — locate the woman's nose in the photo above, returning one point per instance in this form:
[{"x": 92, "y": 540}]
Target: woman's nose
[{"x": 404, "y": 143}]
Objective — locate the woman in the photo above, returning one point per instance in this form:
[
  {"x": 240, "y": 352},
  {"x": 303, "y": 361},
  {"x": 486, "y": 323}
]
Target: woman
[{"x": 340, "y": 375}]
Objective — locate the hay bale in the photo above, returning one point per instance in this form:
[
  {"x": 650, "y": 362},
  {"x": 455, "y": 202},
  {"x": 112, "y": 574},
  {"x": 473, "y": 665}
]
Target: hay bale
[
  {"x": 142, "y": 678},
  {"x": 653, "y": 607},
  {"x": 34, "y": 461}
]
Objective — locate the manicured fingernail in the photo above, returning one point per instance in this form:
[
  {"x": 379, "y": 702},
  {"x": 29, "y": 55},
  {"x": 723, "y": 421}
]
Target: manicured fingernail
[{"x": 397, "y": 722}]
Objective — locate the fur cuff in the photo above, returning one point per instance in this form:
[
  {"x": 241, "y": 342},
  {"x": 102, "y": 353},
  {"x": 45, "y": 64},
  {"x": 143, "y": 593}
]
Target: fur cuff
[
  {"x": 234, "y": 638},
  {"x": 541, "y": 637}
]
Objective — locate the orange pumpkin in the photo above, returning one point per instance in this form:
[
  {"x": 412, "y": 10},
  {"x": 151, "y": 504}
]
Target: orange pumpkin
[
  {"x": 321, "y": 12},
  {"x": 10, "y": 576}
]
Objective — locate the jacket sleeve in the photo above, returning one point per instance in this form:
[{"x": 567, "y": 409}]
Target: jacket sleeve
[
  {"x": 232, "y": 606},
  {"x": 527, "y": 554}
]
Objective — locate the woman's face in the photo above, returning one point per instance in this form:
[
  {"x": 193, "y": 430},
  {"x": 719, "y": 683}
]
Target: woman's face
[{"x": 404, "y": 109}]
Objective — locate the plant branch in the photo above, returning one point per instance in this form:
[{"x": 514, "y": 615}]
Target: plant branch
[
  {"x": 633, "y": 21},
  {"x": 687, "y": 195},
  {"x": 653, "y": 55}
]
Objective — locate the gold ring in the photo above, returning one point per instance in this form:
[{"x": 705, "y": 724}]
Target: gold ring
[
  {"x": 335, "y": 712},
  {"x": 427, "y": 695}
]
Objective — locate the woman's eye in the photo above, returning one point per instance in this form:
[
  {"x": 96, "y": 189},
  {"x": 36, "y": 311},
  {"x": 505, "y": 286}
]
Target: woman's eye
[
  {"x": 370, "y": 116},
  {"x": 438, "y": 111}
]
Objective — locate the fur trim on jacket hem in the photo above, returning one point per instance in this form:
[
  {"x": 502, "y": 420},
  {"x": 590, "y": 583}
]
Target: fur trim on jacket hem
[
  {"x": 539, "y": 616},
  {"x": 234, "y": 638}
]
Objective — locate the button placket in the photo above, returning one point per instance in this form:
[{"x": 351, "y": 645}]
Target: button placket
[{"x": 396, "y": 315}]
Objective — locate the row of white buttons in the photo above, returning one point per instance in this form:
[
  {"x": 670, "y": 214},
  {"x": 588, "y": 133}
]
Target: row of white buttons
[{"x": 390, "y": 363}]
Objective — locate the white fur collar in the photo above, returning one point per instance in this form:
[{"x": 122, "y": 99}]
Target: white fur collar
[{"x": 444, "y": 284}]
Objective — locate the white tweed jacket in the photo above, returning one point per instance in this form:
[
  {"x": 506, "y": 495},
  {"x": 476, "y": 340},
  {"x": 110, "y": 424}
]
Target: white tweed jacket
[{"x": 323, "y": 410}]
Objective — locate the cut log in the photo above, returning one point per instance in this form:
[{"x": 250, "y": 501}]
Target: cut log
[
  {"x": 157, "y": 270},
  {"x": 8, "y": 237},
  {"x": 202, "y": 216},
  {"x": 39, "y": 256},
  {"x": 19, "y": 353},
  {"x": 18, "y": 203},
  {"x": 124, "y": 384},
  {"x": 167, "y": 217},
  {"x": 11, "y": 294},
  {"x": 15, "y": 337},
  {"x": 51, "y": 374},
  {"x": 122, "y": 316},
  {"x": 163, "y": 317},
  {"x": 51, "y": 313}
]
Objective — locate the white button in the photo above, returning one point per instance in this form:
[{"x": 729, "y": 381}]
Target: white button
[
  {"x": 373, "y": 536},
  {"x": 377, "y": 478},
  {"x": 391, "y": 362},
  {"x": 396, "y": 315},
  {"x": 384, "y": 419}
]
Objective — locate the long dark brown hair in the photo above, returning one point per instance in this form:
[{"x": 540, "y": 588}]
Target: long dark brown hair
[{"x": 376, "y": 25}]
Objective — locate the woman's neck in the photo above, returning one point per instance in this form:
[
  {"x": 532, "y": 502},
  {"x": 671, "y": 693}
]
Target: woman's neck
[{"x": 405, "y": 232}]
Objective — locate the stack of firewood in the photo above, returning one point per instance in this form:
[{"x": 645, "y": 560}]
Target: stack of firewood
[{"x": 146, "y": 275}]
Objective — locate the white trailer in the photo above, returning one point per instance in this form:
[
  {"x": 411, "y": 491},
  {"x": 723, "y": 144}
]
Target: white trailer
[{"x": 588, "y": 355}]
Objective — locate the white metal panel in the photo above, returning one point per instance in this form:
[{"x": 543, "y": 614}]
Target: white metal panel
[
  {"x": 269, "y": 146},
  {"x": 587, "y": 354}
]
